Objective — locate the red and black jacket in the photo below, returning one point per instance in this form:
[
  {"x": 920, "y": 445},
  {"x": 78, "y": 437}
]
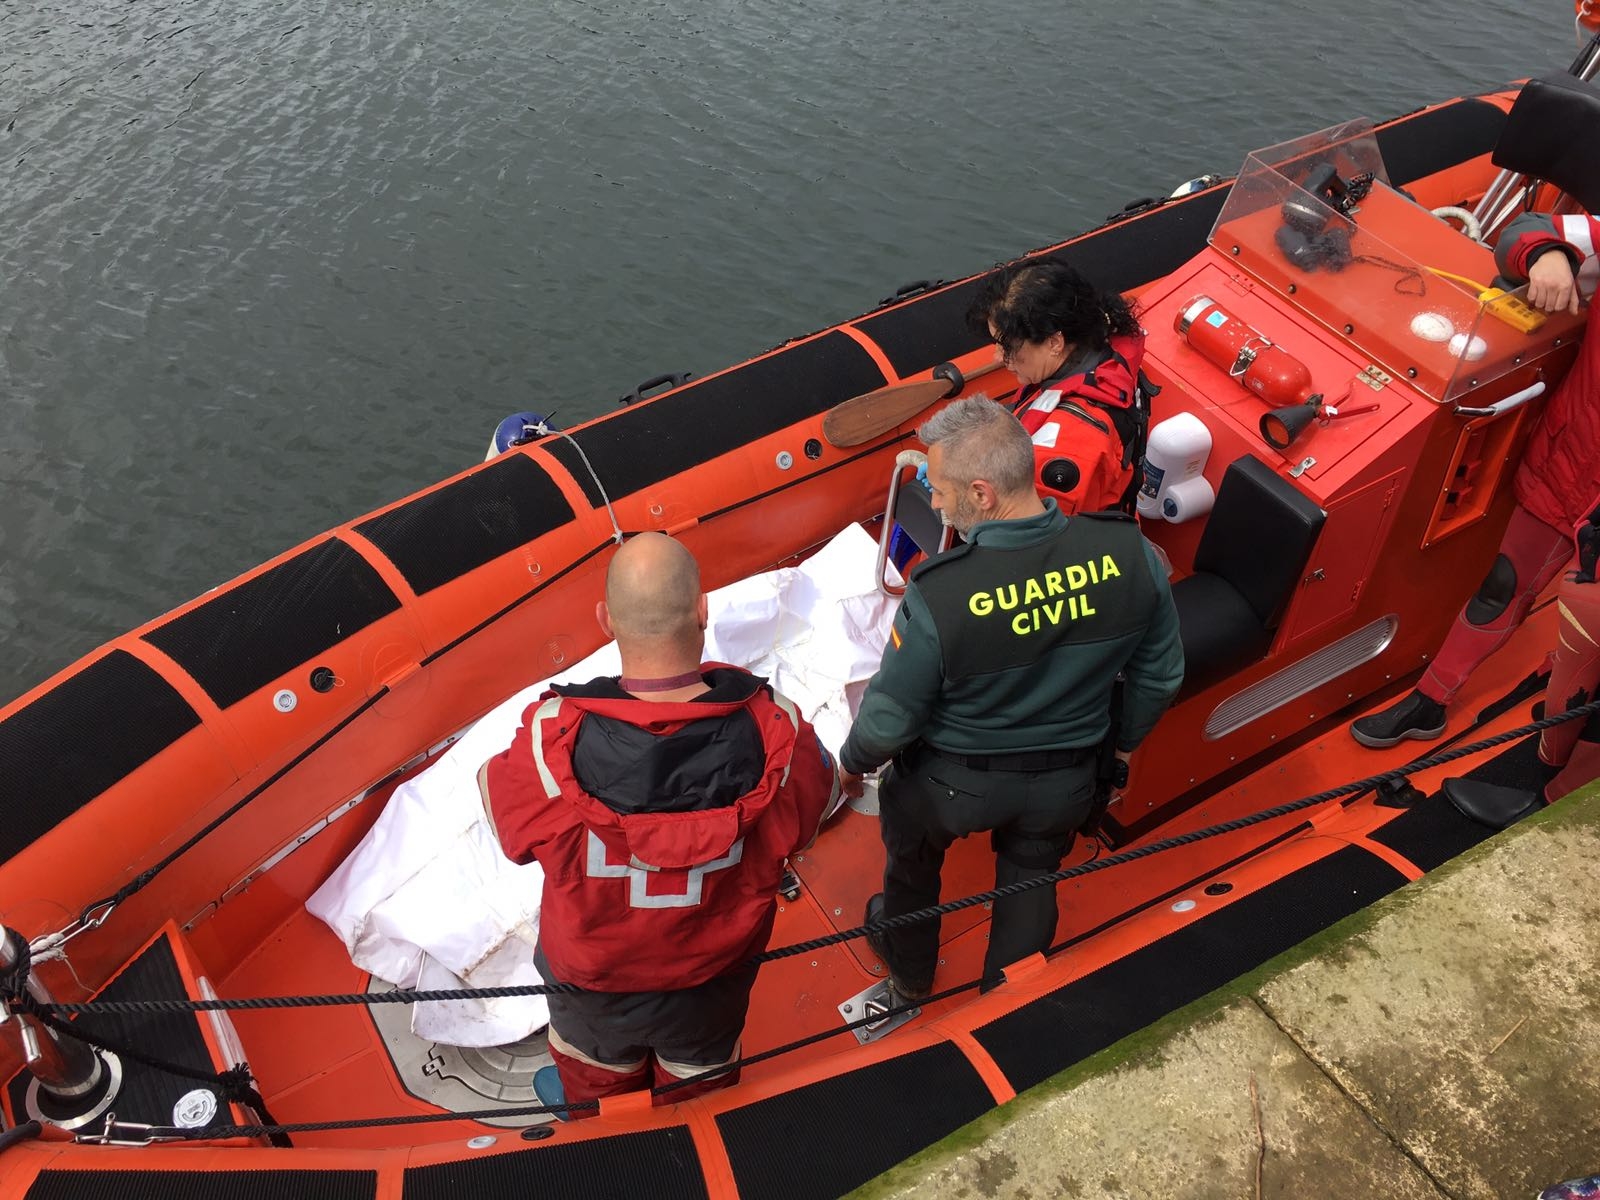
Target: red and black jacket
[
  {"x": 662, "y": 828},
  {"x": 1088, "y": 429}
]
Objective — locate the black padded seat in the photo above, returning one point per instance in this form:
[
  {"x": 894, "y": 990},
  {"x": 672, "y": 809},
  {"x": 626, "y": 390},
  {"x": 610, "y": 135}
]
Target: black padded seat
[
  {"x": 1551, "y": 133},
  {"x": 1251, "y": 558},
  {"x": 914, "y": 512}
]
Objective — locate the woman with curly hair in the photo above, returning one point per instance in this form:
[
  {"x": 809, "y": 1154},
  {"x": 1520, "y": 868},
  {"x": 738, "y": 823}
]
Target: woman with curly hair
[{"x": 1075, "y": 351}]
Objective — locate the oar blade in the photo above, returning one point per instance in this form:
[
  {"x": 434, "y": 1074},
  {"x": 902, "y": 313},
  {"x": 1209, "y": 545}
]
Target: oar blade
[{"x": 865, "y": 417}]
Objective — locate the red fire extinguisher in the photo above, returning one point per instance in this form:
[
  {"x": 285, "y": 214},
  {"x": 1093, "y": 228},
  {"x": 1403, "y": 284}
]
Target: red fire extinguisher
[{"x": 1274, "y": 374}]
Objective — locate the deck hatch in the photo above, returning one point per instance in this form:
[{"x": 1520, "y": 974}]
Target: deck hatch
[
  {"x": 76, "y": 740},
  {"x": 700, "y": 421},
  {"x": 1068, "y": 1025},
  {"x": 444, "y": 534},
  {"x": 661, "y": 1164},
  {"x": 203, "y": 1185},
  {"x": 829, "y": 1137},
  {"x": 247, "y": 636}
]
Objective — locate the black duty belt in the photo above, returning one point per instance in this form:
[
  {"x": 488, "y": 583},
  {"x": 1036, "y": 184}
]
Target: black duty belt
[{"x": 1023, "y": 760}]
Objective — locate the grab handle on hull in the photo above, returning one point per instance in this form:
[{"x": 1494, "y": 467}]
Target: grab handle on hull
[{"x": 672, "y": 379}]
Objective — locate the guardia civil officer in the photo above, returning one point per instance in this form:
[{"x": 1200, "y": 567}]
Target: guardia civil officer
[{"x": 994, "y": 692}]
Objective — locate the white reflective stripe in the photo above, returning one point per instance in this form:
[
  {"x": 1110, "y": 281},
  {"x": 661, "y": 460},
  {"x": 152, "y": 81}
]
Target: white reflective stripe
[
  {"x": 680, "y": 1070},
  {"x": 793, "y": 714},
  {"x": 1046, "y": 435},
  {"x": 638, "y": 877},
  {"x": 545, "y": 712},
  {"x": 1579, "y": 230},
  {"x": 560, "y": 1043},
  {"x": 1046, "y": 401}
]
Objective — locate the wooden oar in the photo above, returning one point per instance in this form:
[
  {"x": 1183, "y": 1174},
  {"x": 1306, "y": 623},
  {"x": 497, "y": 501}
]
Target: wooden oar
[{"x": 862, "y": 418}]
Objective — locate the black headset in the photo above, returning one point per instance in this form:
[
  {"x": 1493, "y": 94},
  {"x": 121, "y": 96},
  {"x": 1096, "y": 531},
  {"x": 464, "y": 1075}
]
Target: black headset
[{"x": 1316, "y": 233}]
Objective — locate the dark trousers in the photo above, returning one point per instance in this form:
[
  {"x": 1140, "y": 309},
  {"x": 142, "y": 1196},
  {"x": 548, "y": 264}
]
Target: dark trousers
[
  {"x": 926, "y": 801},
  {"x": 610, "y": 1043}
]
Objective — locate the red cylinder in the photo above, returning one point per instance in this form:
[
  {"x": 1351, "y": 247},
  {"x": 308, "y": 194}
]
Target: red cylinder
[{"x": 1274, "y": 374}]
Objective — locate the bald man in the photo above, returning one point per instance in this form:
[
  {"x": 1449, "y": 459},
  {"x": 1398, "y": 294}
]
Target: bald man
[{"x": 661, "y": 804}]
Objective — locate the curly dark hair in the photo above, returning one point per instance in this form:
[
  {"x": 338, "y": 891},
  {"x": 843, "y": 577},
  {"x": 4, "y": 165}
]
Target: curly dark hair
[{"x": 1027, "y": 302}]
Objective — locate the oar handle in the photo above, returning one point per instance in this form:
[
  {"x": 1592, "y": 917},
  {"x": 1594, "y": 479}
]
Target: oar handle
[{"x": 960, "y": 379}]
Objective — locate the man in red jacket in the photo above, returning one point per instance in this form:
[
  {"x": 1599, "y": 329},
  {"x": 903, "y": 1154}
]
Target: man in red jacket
[
  {"x": 661, "y": 805},
  {"x": 1557, "y": 484}
]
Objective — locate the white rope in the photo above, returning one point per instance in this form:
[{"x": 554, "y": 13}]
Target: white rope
[
  {"x": 1469, "y": 223},
  {"x": 543, "y": 430}
]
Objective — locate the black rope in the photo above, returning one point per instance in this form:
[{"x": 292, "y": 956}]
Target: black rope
[
  {"x": 279, "y": 1133},
  {"x": 236, "y": 1084},
  {"x": 14, "y": 983},
  {"x": 269, "y": 1130},
  {"x": 409, "y": 996}
]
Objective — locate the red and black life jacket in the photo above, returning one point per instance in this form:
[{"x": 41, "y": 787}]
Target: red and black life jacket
[{"x": 1089, "y": 428}]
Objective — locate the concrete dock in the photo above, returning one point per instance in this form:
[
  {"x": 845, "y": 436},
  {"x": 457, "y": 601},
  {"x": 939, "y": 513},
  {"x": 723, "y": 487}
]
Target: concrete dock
[{"x": 1444, "y": 1042}]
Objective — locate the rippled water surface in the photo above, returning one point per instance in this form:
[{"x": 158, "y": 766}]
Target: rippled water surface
[{"x": 266, "y": 266}]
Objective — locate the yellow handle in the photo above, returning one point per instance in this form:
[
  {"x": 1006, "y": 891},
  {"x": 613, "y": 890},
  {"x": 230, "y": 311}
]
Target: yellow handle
[{"x": 1472, "y": 283}]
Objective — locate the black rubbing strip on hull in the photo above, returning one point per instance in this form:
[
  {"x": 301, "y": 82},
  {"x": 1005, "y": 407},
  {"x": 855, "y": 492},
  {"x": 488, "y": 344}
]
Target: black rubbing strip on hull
[
  {"x": 147, "y": 1095},
  {"x": 822, "y": 1140},
  {"x": 661, "y": 1164},
  {"x": 247, "y": 636},
  {"x": 926, "y": 332},
  {"x": 1068, "y": 1025},
  {"x": 79, "y": 738},
  {"x": 1120, "y": 257},
  {"x": 446, "y": 533},
  {"x": 1130, "y": 254},
  {"x": 204, "y": 1185},
  {"x": 700, "y": 421},
  {"x": 1438, "y": 139}
]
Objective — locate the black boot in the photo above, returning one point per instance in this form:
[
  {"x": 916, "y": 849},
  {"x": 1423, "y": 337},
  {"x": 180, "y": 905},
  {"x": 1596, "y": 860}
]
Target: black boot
[
  {"x": 1413, "y": 717},
  {"x": 912, "y": 990}
]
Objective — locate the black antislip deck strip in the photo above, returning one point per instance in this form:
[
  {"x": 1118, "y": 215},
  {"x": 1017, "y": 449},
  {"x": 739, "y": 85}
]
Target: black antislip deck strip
[
  {"x": 444, "y": 534},
  {"x": 821, "y": 1141},
  {"x": 1434, "y": 831},
  {"x": 79, "y": 738},
  {"x": 148, "y": 1095},
  {"x": 254, "y": 632},
  {"x": 1068, "y": 1025},
  {"x": 204, "y": 1185},
  {"x": 660, "y": 1164},
  {"x": 699, "y": 421}
]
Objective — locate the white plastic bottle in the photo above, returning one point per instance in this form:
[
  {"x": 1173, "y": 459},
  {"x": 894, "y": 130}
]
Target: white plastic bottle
[{"x": 1177, "y": 450}]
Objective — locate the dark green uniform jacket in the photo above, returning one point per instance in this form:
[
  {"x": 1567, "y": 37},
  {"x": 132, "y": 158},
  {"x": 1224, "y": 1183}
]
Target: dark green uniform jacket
[{"x": 1011, "y": 643}]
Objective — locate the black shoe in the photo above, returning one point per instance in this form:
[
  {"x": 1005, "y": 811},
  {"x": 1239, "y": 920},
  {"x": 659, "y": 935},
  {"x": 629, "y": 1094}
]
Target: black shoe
[
  {"x": 876, "y": 944},
  {"x": 1413, "y": 717}
]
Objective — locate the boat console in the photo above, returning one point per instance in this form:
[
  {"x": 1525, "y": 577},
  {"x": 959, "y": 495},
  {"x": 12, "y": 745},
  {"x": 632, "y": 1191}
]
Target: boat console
[{"x": 1367, "y": 392}]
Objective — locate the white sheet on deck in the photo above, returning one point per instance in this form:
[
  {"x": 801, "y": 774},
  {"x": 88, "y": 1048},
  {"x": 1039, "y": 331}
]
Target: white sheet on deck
[{"x": 428, "y": 900}]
